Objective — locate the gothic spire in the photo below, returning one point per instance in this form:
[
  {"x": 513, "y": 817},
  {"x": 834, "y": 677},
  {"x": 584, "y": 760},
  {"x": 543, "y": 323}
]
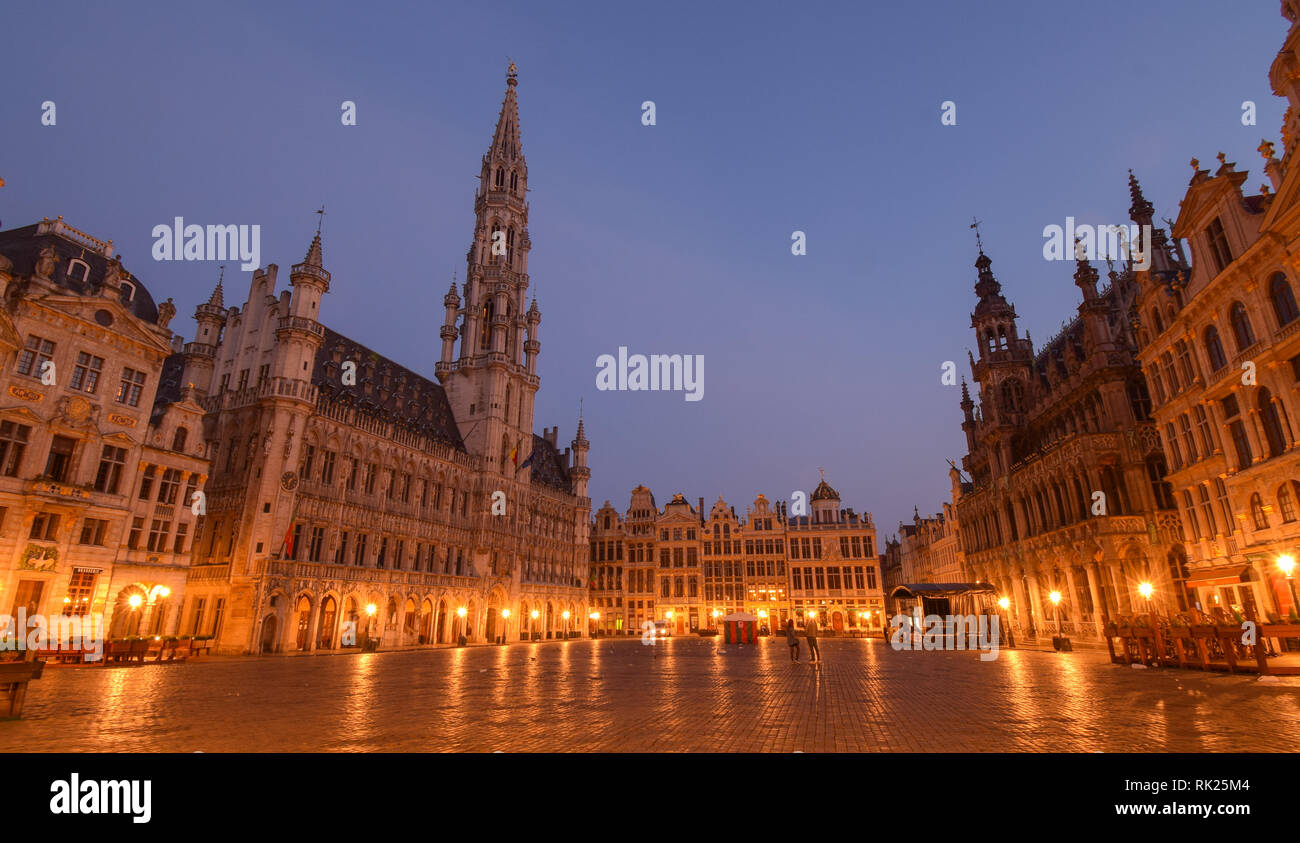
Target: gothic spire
[
  {"x": 313, "y": 253},
  {"x": 216, "y": 299},
  {"x": 505, "y": 140},
  {"x": 1141, "y": 210}
]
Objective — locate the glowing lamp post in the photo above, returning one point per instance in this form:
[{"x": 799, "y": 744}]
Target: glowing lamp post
[
  {"x": 505, "y": 622},
  {"x": 1060, "y": 643},
  {"x": 461, "y": 612},
  {"x": 565, "y": 615},
  {"x": 1055, "y": 597},
  {"x": 595, "y": 623},
  {"x": 1004, "y": 603},
  {"x": 1286, "y": 564},
  {"x": 532, "y": 627}
]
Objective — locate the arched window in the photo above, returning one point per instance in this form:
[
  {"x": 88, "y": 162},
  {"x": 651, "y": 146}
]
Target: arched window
[
  {"x": 1214, "y": 349},
  {"x": 1242, "y": 332},
  {"x": 1157, "y": 321},
  {"x": 1160, "y": 488},
  {"x": 1139, "y": 400},
  {"x": 514, "y": 181},
  {"x": 1284, "y": 307},
  {"x": 1012, "y": 393},
  {"x": 1184, "y": 355},
  {"x": 1286, "y": 503},
  {"x": 501, "y": 178},
  {"x": 1257, "y": 512},
  {"x": 1272, "y": 422},
  {"x": 178, "y": 439}
]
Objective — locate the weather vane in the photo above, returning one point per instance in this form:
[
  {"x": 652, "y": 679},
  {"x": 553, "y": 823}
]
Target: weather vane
[
  {"x": 320, "y": 221},
  {"x": 975, "y": 224}
]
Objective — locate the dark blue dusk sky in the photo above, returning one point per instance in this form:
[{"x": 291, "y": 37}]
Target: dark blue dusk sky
[{"x": 771, "y": 118}]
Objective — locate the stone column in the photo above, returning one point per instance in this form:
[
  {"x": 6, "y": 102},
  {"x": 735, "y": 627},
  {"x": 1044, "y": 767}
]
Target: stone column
[
  {"x": 1100, "y": 612},
  {"x": 1022, "y": 606},
  {"x": 1035, "y": 596}
]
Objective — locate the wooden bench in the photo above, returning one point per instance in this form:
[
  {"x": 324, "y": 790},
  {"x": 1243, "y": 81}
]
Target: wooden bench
[{"x": 14, "y": 677}]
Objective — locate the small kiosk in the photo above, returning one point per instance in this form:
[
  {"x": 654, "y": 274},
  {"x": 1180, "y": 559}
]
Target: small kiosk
[{"x": 740, "y": 628}]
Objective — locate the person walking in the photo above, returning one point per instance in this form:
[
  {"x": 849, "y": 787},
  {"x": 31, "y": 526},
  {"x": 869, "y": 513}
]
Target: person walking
[
  {"x": 792, "y": 638},
  {"x": 810, "y": 632}
]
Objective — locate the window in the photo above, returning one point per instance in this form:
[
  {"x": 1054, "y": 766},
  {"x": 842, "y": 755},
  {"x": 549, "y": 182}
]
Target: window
[
  {"x": 1242, "y": 444},
  {"x": 1184, "y": 355},
  {"x": 132, "y": 385},
  {"x": 1160, "y": 489},
  {"x": 133, "y": 539},
  {"x": 1218, "y": 244},
  {"x": 45, "y": 527},
  {"x": 1284, "y": 307},
  {"x": 197, "y": 625},
  {"x": 1192, "y": 520},
  {"x": 309, "y": 454},
  {"x": 243, "y": 379},
  {"x": 1286, "y": 504},
  {"x": 225, "y": 382},
  {"x": 182, "y": 530},
  {"x": 13, "y": 442},
  {"x": 178, "y": 439},
  {"x": 1203, "y": 429},
  {"x": 1257, "y": 512},
  {"x": 36, "y": 353},
  {"x": 1185, "y": 427},
  {"x": 170, "y": 486},
  {"x": 1221, "y": 496},
  {"x": 1214, "y": 349},
  {"x": 1271, "y": 421},
  {"x": 1203, "y": 493},
  {"x": 1171, "y": 446},
  {"x": 59, "y": 462},
  {"x": 93, "y": 531},
  {"x": 158, "y": 531},
  {"x": 327, "y": 467},
  {"x": 81, "y": 587},
  {"x": 85, "y": 375},
  {"x": 372, "y": 471},
  {"x": 1242, "y": 332},
  {"x": 263, "y": 372}
]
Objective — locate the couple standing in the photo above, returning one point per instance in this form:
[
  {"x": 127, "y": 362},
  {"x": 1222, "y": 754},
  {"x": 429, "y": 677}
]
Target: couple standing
[{"x": 810, "y": 633}]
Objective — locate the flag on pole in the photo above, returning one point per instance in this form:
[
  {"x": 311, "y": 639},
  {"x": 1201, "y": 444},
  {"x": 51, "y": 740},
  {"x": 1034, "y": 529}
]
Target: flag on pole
[
  {"x": 286, "y": 547},
  {"x": 514, "y": 455},
  {"x": 529, "y": 461}
]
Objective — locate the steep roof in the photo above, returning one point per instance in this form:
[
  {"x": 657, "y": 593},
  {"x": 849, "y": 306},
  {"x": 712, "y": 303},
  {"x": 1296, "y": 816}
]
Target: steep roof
[
  {"x": 23, "y": 247},
  {"x": 549, "y": 467},
  {"x": 385, "y": 389}
]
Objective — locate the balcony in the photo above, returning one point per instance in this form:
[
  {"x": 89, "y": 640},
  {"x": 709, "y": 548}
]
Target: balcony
[{"x": 56, "y": 489}]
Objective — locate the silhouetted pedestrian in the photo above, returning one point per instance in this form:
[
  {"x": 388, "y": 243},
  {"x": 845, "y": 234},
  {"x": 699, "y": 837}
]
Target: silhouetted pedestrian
[
  {"x": 792, "y": 638},
  {"x": 810, "y": 632}
]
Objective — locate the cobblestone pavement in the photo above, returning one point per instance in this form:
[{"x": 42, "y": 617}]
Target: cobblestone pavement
[{"x": 685, "y": 694}]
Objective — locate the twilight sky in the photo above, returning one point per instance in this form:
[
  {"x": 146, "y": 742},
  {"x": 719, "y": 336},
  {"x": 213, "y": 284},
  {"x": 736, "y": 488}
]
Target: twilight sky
[{"x": 771, "y": 118}]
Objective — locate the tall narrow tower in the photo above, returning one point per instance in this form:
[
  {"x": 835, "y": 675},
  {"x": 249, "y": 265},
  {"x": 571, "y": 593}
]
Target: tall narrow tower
[{"x": 491, "y": 383}]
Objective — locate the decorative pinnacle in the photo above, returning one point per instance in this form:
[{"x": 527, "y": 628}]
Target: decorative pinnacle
[
  {"x": 314, "y": 252},
  {"x": 1265, "y": 150}
]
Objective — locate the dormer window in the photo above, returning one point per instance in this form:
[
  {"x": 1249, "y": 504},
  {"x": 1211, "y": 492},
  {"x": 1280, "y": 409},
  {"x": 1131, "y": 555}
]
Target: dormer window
[
  {"x": 78, "y": 270},
  {"x": 1218, "y": 244},
  {"x": 128, "y": 292}
]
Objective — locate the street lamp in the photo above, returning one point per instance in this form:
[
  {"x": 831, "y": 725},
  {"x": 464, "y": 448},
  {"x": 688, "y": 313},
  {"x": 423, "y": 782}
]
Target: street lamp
[
  {"x": 1146, "y": 590},
  {"x": 461, "y": 612},
  {"x": 1055, "y": 597},
  {"x": 595, "y": 620},
  {"x": 715, "y": 614},
  {"x": 1286, "y": 564},
  {"x": 1004, "y": 603},
  {"x": 505, "y": 622},
  {"x": 565, "y": 615},
  {"x": 532, "y": 627}
]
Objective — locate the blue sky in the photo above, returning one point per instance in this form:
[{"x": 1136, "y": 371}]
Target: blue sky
[{"x": 771, "y": 118}]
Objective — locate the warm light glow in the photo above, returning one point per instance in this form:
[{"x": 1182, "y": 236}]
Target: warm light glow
[
  {"x": 1005, "y": 602},
  {"x": 462, "y": 611},
  {"x": 762, "y": 613},
  {"x": 164, "y": 591},
  {"x": 669, "y": 614},
  {"x": 595, "y": 616},
  {"x": 505, "y": 613},
  {"x": 716, "y": 613},
  {"x": 534, "y": 614},
  {"x": 67, "y": 600},
  {"x": 565, "y": 614},
  {"x": 135, "y": 600},
  {"x": 1055, "y": 597},
  {"x": 1146, "y": 590},
  {"x": 371, "y": 609},
  {"x": 1286, "y": 564}
]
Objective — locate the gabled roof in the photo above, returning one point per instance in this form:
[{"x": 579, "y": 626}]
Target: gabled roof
[{"x": 548, "y": 466}]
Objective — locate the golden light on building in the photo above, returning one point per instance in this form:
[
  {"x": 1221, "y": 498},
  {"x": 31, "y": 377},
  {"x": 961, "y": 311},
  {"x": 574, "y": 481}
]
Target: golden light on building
[
  {"x": 1286, "y": 564},
  {"x": 462, "y": 612},
  {"x": 1005, "y": 603},
  {"x": 1055, "y": 597},
  {"x": 1146, "y": 589},
  {"x": 371, "y": 609},
  {"x": 134, "y": 601}
]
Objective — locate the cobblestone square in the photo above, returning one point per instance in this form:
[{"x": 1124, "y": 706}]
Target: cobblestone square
[{"x": 682, "y": 695}]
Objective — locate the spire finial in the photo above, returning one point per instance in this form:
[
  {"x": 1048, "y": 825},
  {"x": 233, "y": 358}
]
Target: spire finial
[
  {"x": 512, "y": 72},
  {"x": 320, "y": 221},
  {"x": 823, "y": 473},
  {"x": 975, "y": 224}
]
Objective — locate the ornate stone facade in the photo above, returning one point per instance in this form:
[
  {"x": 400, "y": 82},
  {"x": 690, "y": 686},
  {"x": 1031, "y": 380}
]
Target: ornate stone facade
[
  {"x": 351, "y": 494},
  {"x": 1220, "y": 344},
  {"x": 1068, "y": 492},
  {"x": 676, "y": 566},
  {"x": 101, "y": 452}
]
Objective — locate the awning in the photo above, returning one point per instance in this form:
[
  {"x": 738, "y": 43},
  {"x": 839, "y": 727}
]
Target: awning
[
  {"x": 740, "y": 616},
  {"x": 942, "y": 589},
  {"x": 1219, "y": 575}
]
